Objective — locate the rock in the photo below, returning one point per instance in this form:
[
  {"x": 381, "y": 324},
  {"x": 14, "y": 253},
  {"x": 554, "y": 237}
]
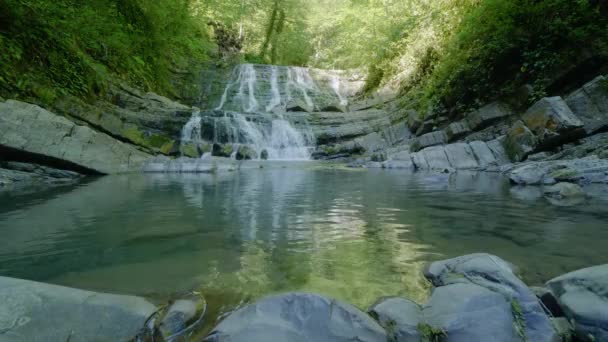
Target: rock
[
  {"x": 264, "y": 155},
  {"x": 590, "y": 104},
  {"x": 429, "y": 139},
  {"x": 468, "y": 312},
  {"x": 553, "y": 123},
  {"x": 33, "y": 311},
  {"x": 246, "y": 153},
  {"x": 519, "y": 142},
  {"x": 548, "y": 299},
  {"x": 583, "y": 295},
  {"x": 585, "y": 170},
  {"x": 538, "y": 156},
  {"x": 299, "y": 105},
  {"x": 189, "y": 165},
  {"x": 426, "y": 127},
  {"x": 413, "y": 120},
  {"x": 496, "y": 275},
  {"x": 297, "y": 317},
  {"x": 435, "y": 158},
  {"x": 485, "y": 157},
  {"x": 563, "y": 190},
  {"x": 420, "y": 162},
  {"x": 526, "y": 193},
  {"x": 488, "y": 115},
  {"x": 220, "y": 150},
  {"x": 461, "y": 156},
  {"x": 55, "y": 141},
  {"x": 400, "y": 317},
  {"x": 596, "y": 145},
  {"x": 182, "y": 316},
  {"x": 457, "y": 130},
  {"x": 497, "y": 148}
]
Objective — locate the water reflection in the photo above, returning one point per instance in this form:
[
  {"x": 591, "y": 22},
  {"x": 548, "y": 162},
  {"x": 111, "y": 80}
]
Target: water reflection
[{"x": 352, "y": 234}]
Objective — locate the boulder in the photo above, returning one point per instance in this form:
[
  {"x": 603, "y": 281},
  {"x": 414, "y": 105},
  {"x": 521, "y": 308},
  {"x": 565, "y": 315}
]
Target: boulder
[
  {"x": 461, "y": 156},
  {"x": 485, "y": 157},
  {"x": 488, "y": 115},
  {"x": 399, "y": 316},
  {"x": 49, "y": 139},
  {"x": 420, "y": 162},
  {"x": 564, "y": 194},
  {"x": 496, "y": 275},
  {"x": 583, "y": 295},
  {"x": 457, "y": 130},
  {"x": 585, "y": 170},
  {"x": 425, "y": 127},
  {"x": 468, "y": 312},
  {"x": 182, "y": 317},
  {"x": 429, "y": 139},
  {"x": 413, "y": 120},
  {"x": 436, "y": 158},
  {"x": 590, "y": 104},
  {"x": 553, "y": 123},
  {"x": 32, "y": 311},
  {"x": 246, "y": 153},
  {"x": 498, "y": 149},
  {"x": 519, "y": 142},
  {"x": 298, "y": 317}
]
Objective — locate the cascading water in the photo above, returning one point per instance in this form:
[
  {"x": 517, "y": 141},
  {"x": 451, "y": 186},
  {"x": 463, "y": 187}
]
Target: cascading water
[{"x": 253, "y": 111}]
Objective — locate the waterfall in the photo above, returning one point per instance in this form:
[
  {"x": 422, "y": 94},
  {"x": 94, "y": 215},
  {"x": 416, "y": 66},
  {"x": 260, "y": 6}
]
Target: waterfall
[{"x": 252, "y": 111}]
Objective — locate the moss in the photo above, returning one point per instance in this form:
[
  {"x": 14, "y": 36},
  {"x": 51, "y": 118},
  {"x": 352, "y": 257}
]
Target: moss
[
  {"x": 519, "y": 322},
  {"x": 431, "y": 334},
  {"x": 158, "y": 141},
  {"x": 189, "y": 150},
  {"x": 565, "y": 173},
  {"x": 167, "y": 147},
  {"x": 135, "y": 135}
]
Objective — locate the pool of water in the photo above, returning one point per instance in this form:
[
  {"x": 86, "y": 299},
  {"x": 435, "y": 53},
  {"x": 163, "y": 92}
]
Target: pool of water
[{"x": 351, "y": 234}]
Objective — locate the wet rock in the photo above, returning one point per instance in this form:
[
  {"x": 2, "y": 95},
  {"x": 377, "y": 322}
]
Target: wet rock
[
  {"x": 428, "y": 140},
  {"x": 596, "y": 145},
  {"x": 298, "y": 317},
  {"x": 33, "y": 311},
  {"x": 461, "y": 156},
  {"x": 488, "y": 115},
  {"x": 485, "y": 157},
  {"x": 468, "y": 312},
  {"x": 585, "y": 170},
  {"x": 457, "y": 130},
  {"x": 163, "y": 164},
  {"x": 182, "y": 317},
  {"x": 519, "y": 142},
  {"x": 526, "y": 193},
  {"x": 420, "y": 162},
  {"x": 246, "y": 153},
  {"x": 264, "y": 155},
  {"x": 552, "y": 122},
  {"x": 538, "y": 156},
  {"x": 299, "y": 105},
  {"x": 590, "y": 104},
  {"x": 400, "y": 317},
  {"x": 497, "y": 148},
  {"x": 583, "y": 295},
  {"x": 496, "y": 275},
  {"x": 548, "y": 299},
  {"x": 563, "y": 190},
  {"x": 54, "y": 140}
]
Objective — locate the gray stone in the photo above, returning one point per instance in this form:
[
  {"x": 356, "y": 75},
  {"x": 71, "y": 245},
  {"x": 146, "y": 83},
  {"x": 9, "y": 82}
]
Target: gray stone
[
  {"x": 189, "y": 165},
  {"x": 426, "y": 127},
  {"x": 399, "y": 316},
  {"x": 483, "y": 154},
  {"x": 552, "y": 122},
  {"x": 519, "y": 142},
  {"x": 461, "y": 156},
  {"x": 496, "y": 275},
  {"x": 33, "y": 311},
  {"x": 590, "y": 104},
  {"x": 563, "y": 190},
  {"x": 413, "y": 120},
  {"x": 428, "y": 140},
  {"x": 457, "y": 130},
  {"x": 468, "y": 312},
  {"x": 182, "y": 317},
  {"x": 298, "y": 317},
  {"x": 488, "y": 115},
  {"x": 550, "y": 172},
  {"x": 420, "y": 161},
  {"x": 36, "y": 131},
  {"x": 497, "y": 148},
  {"x": 435, "y": 158},
  {"x": 583, "y": 295}
]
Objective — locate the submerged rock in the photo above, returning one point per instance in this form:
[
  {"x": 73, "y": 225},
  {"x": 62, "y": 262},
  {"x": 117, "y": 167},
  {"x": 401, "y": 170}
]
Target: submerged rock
[
  {"x": 399, "y": 316},
  {"x": 182, "y": 317},
  {"x": 33, "y": 311},
  {"x": 494, "y": 274},
  {"x": 564, "y": 194},
  {"x": 583, "y": 295},
  {"x": 550, "y": 172},
  {"x": 298, "y": 317}
]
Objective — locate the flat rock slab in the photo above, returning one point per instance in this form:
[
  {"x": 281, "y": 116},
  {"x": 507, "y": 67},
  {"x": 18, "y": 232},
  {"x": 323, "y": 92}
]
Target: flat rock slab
[
  {"x": 33, "y": 130},
  {"x": 583, "y": 296},
  {"x": 298, "y": 317},
  {"x": 590, "y": 104},
  {"x": 32, "y": 311},
  {"x": 496, "y": 275},
  {"x": 587, "y": 170},
  {"x": 399, "y": 316}
]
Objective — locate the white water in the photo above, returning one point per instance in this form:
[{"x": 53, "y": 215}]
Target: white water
[
  {"x": 191, "y": 132},
  {"x": 276, "y": 136}
]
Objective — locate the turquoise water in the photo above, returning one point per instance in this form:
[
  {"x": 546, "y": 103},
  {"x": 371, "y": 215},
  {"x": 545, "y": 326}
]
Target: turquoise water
[{"x": 352, "y": 234}]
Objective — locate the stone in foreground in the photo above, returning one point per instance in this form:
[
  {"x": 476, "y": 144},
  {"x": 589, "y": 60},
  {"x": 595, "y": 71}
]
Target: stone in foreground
[
  {"x": 399, "y": 316},
  {"x": 552, "y": 122},
  {"x": 587, "y": 170},
  {"x": 298, "y": 317},
  {"x": 496, "y": 275},
  {"x": 583, "y": 296},
  {"x": 34, "y": 312}
]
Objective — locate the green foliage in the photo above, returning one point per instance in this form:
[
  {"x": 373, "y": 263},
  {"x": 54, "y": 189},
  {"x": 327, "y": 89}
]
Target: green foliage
[
  {"x": 519, "y": 319},
  {"x": 56, "y": 47},
  {"x": 431, "y": 334}
]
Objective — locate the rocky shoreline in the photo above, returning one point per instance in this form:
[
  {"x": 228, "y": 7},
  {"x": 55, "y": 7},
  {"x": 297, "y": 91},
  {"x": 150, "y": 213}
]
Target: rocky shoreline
[{"x": 476, "y": 297}]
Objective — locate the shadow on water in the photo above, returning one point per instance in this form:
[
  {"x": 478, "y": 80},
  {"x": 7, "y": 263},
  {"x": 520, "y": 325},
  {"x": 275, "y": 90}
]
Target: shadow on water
[{"x": 351, "y": 234}]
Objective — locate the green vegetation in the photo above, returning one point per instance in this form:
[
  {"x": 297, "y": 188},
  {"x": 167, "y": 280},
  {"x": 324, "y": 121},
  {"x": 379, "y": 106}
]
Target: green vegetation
[
  {"x": 519, "y": 319},
  {"x": 431, "y": 334},
  {"x": 441, "y": 54}
]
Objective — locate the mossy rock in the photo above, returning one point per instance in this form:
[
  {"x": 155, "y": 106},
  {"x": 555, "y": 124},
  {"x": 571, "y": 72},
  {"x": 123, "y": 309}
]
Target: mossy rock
[
  {"x": 167, "y": 148},
  {"x": 158, "y": 141},
  {"x": 190, "y": 150},
  {"x": 135, "y": 135}
]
